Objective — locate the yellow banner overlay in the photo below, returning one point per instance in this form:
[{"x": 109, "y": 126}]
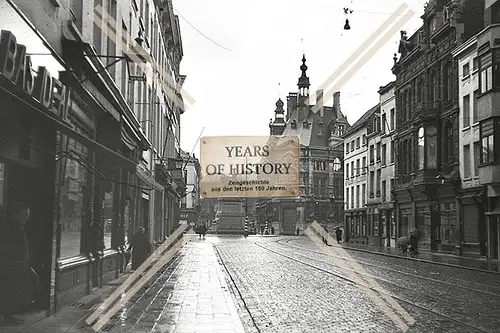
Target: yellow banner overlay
[{"x": 249, "y": 166}]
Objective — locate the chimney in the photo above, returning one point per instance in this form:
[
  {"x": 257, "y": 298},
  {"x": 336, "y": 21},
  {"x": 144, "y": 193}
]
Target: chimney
[
  {"x": 336, "y": 104},
  {"x": 319, "y": 102},
  {"x": 291, "y": 104}
]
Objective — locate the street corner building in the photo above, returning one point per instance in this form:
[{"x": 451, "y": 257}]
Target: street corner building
[
  {"x": 90, "y": 141},
  {"x": 320, "y": 129}
]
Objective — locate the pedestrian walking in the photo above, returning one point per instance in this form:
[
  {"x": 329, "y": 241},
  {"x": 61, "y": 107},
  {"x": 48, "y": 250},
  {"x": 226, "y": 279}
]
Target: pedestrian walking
[
  {"x": 272, "y": 230},
  {"x": 297, "y": 231},
  {"x": 338, "y": 233},
  {"x": 403, "y": 243},
  {"x": 414, "y": 240},
  {"x": 203, "y": 231},
  {"x": 140, "y": 248}
]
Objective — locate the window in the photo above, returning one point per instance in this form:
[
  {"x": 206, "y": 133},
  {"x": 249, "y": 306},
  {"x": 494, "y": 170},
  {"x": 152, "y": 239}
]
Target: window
[
  {"x": 466, "y": 69},
  {"x": 447, "y": 82},
  {"x": 347, "y": 170},
  {"x": 378, "y": 152},
  {"x": 475, "y": 110},
  {"x": 341, "y": 130},
  {"x": 487, "y": 135},
  {"x": 384, "y": 121},
  {"x": 357, "y": 167},
  {"x": 76, "y": 9},
  {"x": 357, "y": 143},
  {"x": 372, "y": 183},
  {"x": 393, "y": 115},
  {"x": 352, "y": 197},
  {"x": 467, "y": 161},
  {"x": 363, "y": 195},
  {"x": 97, "y": 39},
  {"x": 347, "y": 197},
  {"x": 75, "y": 197},
  {"x": 392, "y": 151},
  {"x": 111, "y": 45},
  {"x": 384, "y": 191},
  {"x": 372, "y": 154},
  {"x": 352, "y": 145},
  {"x": 384, "y": 154},
  {"x": 486, "y": 73},
  {"x": 477, "y": 157},
  {"x": 364, "y": 140},
  {"x": 431, "y": 147},
  {"x": 474, "y": 63},
  {"x": 364, "y": 165},
  {"x": 357, "y": 196},
  {"x": 466, "y": 110},
  {"x": 421, "y": 149},
  {"x": 352, "y": 169},
  {"x": 379, "y": 176},
  {"x": 347, "y": 148},
  {"x": 336, "y": 164}
]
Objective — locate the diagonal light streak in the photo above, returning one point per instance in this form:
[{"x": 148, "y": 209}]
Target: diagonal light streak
[
  {"x": 364, "y": 281},
  {"x": 369, "y": 53},
  {"x": 139, "y": 56},
  {"x": 136, "y": 275}
]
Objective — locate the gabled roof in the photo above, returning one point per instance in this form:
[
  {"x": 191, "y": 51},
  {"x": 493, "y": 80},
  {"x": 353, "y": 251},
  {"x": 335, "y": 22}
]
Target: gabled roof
[{"x": 361, "y": 121}]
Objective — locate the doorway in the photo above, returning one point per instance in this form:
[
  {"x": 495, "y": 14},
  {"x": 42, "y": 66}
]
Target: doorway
[{"x": 494, "y": 237}]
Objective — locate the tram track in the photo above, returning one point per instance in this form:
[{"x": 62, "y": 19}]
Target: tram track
[
  {"x": 377, "y": 290},
  {"x": 392, "y": 270}
]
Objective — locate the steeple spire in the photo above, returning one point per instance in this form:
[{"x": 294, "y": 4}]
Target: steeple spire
[{"x": 303, "y": 83}]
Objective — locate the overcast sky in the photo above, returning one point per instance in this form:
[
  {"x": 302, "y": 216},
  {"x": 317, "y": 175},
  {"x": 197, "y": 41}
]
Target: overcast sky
[{"x": 235, "y": 85}]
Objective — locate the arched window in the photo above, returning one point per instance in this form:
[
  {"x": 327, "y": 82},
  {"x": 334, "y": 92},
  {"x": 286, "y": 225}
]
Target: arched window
[
  {"x": 421, "y": 149},
  {"x": 431, "y": 147},
  {"x": 337, "y": 165}
]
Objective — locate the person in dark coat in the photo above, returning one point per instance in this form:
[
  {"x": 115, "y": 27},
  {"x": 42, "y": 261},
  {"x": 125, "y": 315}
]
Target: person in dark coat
[
  {"x": 18, "y": 281},
  {"x": 140, "y": 247},
  {"x": 203, "y": 230},
  {"x": 338, "y": 233}
]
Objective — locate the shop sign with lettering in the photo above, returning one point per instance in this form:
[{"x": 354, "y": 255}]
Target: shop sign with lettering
[{"x": 16, "y": 66}]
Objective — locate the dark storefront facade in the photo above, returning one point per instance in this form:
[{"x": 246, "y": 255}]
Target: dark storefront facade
[{"x": 72, "y": 162}]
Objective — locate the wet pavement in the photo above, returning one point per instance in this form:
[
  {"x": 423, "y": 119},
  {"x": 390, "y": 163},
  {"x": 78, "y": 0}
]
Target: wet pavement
[
  {"x": 191, "y": 295},
  {"x": 297, "y": 284}
]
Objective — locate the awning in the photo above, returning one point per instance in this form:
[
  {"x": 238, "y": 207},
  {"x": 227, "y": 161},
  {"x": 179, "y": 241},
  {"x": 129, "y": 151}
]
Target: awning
[{"x": 58, "y": 124}]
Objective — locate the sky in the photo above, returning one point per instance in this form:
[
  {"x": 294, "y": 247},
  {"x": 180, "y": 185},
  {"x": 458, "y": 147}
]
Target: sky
[{"x": 241, "y": 56}]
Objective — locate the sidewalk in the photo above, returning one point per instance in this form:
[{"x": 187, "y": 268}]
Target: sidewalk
[
  {"x": 189, "y": 294},
  {"x": 430, "y": 257}
]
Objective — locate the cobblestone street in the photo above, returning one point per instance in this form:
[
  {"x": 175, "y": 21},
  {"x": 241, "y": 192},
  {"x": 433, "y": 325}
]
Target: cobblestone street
[{"x": 291, "y": 284}]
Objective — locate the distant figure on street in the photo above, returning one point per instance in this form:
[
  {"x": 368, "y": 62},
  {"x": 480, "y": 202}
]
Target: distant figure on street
[
  {"x": 414, "y": 240},
  {"x": 403, "y": 243},
  {"x": 203, "y": 230},
  {"x": 140, "y": 247},
  {"x": 338, "y": 233},
  {"x": 297, "y": 232},
  {"x": 272, "y": 230}
]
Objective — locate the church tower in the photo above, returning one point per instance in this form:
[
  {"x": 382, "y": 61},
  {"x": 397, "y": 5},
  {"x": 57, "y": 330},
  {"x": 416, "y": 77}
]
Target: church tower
[
  {"x": 278, "y": 126},
  {"x": 303, "y": 98}
]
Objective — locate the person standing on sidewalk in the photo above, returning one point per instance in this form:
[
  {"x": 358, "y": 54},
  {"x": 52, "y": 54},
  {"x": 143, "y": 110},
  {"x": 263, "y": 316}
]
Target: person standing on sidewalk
[
  {"x": 338, "y": 233},
  {"x": 18, "y": 281},
  {"x": 140, "y": 247}
]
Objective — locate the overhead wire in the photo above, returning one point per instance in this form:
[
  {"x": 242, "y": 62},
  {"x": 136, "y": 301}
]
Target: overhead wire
[{"x": 201, "y": 33}]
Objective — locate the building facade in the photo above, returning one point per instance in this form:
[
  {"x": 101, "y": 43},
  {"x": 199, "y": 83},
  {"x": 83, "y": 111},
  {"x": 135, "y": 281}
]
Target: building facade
[
  {"x": 385, "y": 212},
  {"x": 479, "y": 148},
  {"x": 92, "y": 158},
  {"x": 427, "y": 126},
  {"x": 356, "y": 179},
  {"x": 190, "y": 203},
  {"x": 320, "y": 129}
]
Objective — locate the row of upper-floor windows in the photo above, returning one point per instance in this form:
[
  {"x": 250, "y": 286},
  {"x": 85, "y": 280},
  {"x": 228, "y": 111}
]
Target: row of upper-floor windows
[
  {"x": 356, "y": 196},
  {"x": 355, "y": 144},
  {"x": 352, "y": 170}
]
